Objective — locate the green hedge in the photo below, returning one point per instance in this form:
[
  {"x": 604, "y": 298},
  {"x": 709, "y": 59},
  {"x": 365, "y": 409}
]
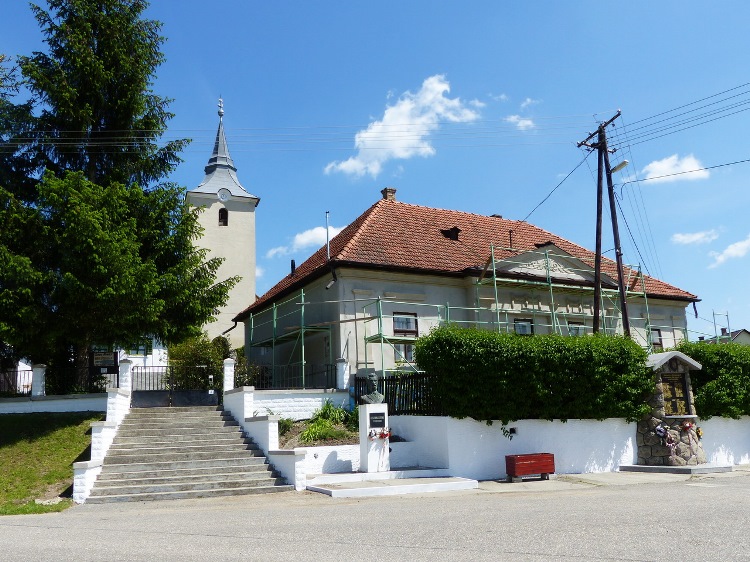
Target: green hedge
[
  {"x": 489, "y": 376},
  {"x": 722, "y": 387}
]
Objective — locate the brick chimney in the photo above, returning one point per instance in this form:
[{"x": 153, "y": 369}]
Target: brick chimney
[{"x": 389, "y": 193}]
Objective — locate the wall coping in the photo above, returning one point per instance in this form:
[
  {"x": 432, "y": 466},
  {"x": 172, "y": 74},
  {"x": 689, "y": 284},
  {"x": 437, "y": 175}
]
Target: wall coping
[
  {"x": 69, "y": 397},
  {"x": 304, "y": 391},
  {"x": 240, "y": 389},
  {"x": 117, "y": 390},
  {"x": 103, "y": 424},
  {"x": 288, "y": 452},
  {"x": 263, "y": 418},
  {"x": 88, "y": 464}
]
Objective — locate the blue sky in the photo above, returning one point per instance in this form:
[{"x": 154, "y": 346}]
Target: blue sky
[{"x": 475, "y": 106}]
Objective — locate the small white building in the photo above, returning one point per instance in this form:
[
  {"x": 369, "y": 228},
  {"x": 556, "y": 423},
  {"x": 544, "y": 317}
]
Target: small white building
[
  {"x": 228, "y": 221},
  {"x": 399, "y": 270}
]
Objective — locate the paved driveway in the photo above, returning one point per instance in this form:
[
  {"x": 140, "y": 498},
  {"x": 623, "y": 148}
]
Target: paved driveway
[{"x": 615, "y": 517}]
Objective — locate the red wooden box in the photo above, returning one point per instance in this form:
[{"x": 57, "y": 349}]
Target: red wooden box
[{"x": 534, "y": 463}]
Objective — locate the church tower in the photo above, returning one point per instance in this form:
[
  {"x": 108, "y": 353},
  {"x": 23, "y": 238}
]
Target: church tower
[{"x": 228, "y": 221}]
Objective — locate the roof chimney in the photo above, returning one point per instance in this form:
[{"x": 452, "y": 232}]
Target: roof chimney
[
  {"x": 389, "y": 193},
  {"x": 294, "y": 267},
  {"x": 723, "y": 331}
]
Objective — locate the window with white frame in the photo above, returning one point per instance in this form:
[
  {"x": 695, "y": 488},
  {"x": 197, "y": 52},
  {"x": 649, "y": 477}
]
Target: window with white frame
[
  {"x": 656, "y": 341},
  {"x": 576, "y": 329},
  {"x": 405, "y": 324},
  {"x": 523, "y": 326},
  {"x": 403, "y": 353}
]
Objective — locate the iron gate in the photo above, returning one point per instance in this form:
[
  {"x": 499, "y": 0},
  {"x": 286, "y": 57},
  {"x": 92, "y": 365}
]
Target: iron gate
[{"x": 175, "y": 385}]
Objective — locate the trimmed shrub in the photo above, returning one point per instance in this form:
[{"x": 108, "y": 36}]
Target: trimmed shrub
[
  {"x": 489, "y": 376},
  {"x": 722, "y": 386}
]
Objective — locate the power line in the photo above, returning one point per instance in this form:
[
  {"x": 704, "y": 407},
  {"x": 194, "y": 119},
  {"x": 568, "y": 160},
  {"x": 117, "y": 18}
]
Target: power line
[
  {"x": 687, "y": 172},
  {"x": 555, "y": 188}
]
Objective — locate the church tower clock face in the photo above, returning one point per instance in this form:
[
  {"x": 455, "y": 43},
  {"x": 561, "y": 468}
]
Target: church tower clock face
[{"x": 224, "y": 195}]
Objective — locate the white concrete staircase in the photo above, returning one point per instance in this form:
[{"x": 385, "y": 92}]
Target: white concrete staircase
[{"x": 176, "y": 453}]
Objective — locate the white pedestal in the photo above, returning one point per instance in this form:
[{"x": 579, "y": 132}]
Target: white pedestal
[{"x": 373, "y": 449}]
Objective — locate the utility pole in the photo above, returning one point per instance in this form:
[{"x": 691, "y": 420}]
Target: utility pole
[{"x": 604, "y": 169}]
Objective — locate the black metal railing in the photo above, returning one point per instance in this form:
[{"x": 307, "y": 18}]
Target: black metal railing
[
  {"x": 15, "y": 382},
  {"x": 277, "y": 377},
  {"x": 176, "y": 377},
  {"x": 406, "y": 393}
]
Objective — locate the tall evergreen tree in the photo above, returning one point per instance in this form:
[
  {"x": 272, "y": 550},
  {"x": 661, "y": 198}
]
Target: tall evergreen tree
[
  {"x": 98, "y": 113},
  {"x": 96, "y": 247}
]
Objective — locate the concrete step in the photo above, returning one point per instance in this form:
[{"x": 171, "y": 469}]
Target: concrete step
[
  {"x": 119, "y": 458},
  {"x": 162, "y": 465},
  {"x": 186, "y": 476},
  {"x": 126, "y": 432},
  {"x": 146, "y": 448},
  {"x": 216, "y": 492},
  {"x": 152, "y": 488},
  {"x": 172, "y": 439},
  {"x": 177, "y": 422}
]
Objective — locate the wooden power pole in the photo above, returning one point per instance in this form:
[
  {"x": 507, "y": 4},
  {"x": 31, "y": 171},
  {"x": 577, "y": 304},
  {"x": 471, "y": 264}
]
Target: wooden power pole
[{"x": 604, "y": 170}]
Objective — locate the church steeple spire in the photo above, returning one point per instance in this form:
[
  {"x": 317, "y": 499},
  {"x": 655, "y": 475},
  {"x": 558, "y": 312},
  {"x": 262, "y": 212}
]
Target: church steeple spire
[{"x": 221, "y": 172}]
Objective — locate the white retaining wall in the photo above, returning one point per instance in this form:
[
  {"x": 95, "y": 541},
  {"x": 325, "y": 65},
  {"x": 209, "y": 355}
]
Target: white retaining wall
[
  {"x": 295, "y": 404},
  {"x": 726, "y": 441},
  {"x": 63, "y": 403}
]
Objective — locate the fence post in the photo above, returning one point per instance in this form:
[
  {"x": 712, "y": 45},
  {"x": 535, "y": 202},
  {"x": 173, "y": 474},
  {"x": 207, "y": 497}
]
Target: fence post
[
  {"x": 342, "y": 376},
  {"x": 126, "y": 375},
  {"x": 37, "y": 379},
  {"x": 228, "y": 374}
]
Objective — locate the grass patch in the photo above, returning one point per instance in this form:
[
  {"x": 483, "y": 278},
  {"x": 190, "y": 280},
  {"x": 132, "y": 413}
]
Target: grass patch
[{"x": 36, "y": 456}]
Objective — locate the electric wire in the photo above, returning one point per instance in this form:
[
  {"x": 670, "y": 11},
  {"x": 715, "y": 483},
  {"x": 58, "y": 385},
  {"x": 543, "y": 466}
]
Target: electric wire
[{"x": 555, "y": 188}]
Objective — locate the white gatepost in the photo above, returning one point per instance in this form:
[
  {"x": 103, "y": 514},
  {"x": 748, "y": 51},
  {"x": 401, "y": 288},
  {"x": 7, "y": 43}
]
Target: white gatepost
[
  {"x": 374, "y": 434},
  {"x": 342, "y": 374},
  {"x": 37, "y": 379},
  {"x": 229, "y": 374},
  {"x": 126, "y": 375}
]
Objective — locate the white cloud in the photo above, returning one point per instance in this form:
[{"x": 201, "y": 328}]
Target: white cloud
[
  {"x": 675, "y": 165},
  {"x": 501, "y": 97},
  {"x": 404, "y": 130},
  {"x": 736, "y": 250},
  {"x": 312, "y": 238},
  {"x": 528, "y": 102},
  {"x": 702, "y": 237},
  {"x": 479, "y": 104},
  {"x": 522, "y": 123},
  {"x": 259, "y": 271}
]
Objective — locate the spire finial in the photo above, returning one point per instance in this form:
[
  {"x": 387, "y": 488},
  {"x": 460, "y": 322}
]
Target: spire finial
[{"x": 221, "y": 107}]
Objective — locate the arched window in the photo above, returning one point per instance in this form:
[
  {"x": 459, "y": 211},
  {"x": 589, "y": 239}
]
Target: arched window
[{"x": 223, "y": 217}]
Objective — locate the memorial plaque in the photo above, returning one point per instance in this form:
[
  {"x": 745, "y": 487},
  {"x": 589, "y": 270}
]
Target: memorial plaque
[
  {"x": 377, "y": 419},
  {"x": 674, "y": 387},
  {"x": 104, "y": 362}
]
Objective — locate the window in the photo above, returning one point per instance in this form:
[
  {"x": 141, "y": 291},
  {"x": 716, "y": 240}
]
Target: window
[
  {"x": 403, "y": 352},
  {"x": 523, "y": 326},
  {"x": 656, "y": 342},
  {"x": 223, "y": 217},
  {"x": 405, "y": 324},
  {"x": 576, "y": 329},
  {"x": 141, "y": 348}
]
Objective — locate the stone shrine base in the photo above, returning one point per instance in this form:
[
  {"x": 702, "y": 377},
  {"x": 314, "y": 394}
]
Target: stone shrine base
[{"x": 706, "y": 468}]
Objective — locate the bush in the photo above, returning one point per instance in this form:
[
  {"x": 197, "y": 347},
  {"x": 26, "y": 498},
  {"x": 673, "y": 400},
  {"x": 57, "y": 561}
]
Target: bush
[
  {"x": 321, "y": 430},
  {"x": 196, "y": 352},
  {"x": 489, "y": 376},
  {"x": 328, "y": 411},
  {"x": 285, "y": 425},
  {"x": 722, "y": 386}
]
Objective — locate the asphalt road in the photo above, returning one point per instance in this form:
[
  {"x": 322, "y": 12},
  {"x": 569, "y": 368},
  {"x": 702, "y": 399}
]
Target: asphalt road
[{"x": 617, "y": 517}]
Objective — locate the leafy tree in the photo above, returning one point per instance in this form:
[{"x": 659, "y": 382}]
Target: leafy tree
[{"x": 95, "y": 247}]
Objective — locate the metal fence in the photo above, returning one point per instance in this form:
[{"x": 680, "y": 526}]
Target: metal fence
[
  {"x": 176, "y": 377},
  {"x": 405, "y": 393},
  {"x": 15, "y": 382},
  {"x": 277, "y": 377}
]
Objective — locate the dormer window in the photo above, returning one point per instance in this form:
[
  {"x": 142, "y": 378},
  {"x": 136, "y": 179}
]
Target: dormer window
[{"x": 223, "y": 217}]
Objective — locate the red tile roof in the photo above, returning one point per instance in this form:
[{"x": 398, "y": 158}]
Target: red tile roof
[{"x": 400, "y": 236}]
